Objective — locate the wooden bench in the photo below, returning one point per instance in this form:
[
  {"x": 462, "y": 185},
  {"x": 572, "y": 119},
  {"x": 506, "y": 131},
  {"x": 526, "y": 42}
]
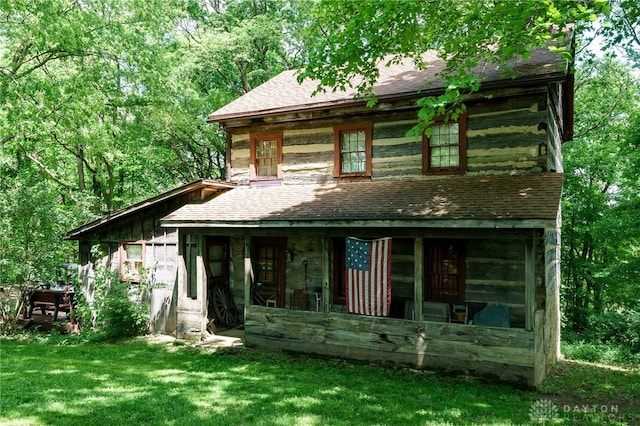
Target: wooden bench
[{"x": 51, "y": 300}]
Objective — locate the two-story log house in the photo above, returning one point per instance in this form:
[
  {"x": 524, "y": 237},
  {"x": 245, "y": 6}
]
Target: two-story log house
[
  {"x": 458, "y": 231},
  {"x": 469, "y": 214}
]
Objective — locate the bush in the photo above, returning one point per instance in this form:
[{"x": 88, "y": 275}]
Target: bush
[
  {"x": 118, "y": 309},
  {"x": 611, "y": 337},
  {"x": 607, "y": 353},
  {"x": 617, "y": 326},
  {"x": 125, "y": 313},
  {"x": 584, "y": 351}
]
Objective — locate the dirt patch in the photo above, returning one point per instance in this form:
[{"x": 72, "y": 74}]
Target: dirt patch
[{"x": 586, "y": 392}]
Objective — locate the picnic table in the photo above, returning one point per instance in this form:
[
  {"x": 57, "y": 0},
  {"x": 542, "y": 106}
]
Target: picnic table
[{"x": 52, "y": 299}]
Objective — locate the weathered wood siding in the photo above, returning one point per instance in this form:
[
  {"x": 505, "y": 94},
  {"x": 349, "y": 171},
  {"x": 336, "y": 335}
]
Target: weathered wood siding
[
  {"x": 551, "y": 291},
  {"x": 496, "y": 274},
  {"x": 498, "y": 353},
  {"x": 161, "y": 256},
  {"x": 506, "y": 135}
]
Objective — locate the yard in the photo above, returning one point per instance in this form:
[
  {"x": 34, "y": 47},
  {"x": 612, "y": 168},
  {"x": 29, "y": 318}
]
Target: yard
[{"x": 141, "y": 382}]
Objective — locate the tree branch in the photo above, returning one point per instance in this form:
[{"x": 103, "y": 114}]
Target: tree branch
[{"x": 44, "y": 168}]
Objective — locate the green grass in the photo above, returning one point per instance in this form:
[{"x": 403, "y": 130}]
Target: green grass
[{"x": 136, "y": 382}]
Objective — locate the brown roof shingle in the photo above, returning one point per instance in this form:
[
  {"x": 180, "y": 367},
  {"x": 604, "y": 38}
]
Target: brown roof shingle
[
  {"x": 496, "y": 198},
  {"x": 283, "y": 94}
]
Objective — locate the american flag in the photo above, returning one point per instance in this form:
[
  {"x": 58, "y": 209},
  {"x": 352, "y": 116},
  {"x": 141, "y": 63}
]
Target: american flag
[{"x": 368, "y": 276}]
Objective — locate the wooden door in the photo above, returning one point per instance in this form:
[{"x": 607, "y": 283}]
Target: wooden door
[
  {"x": 220, "y": 303},
  {"x": 217, "y": 261},
  {"x": 269, "y": 260}
]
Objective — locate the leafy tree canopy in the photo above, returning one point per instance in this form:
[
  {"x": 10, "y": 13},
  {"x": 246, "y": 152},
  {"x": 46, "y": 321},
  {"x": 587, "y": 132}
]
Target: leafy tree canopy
[
  {"x": 104, "y": 103},
  {"x": 348, "y": 40}
]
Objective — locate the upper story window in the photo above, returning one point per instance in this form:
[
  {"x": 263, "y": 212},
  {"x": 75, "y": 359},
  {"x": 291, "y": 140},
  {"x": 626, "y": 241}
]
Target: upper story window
[
  {"x": 352, "y": 150},
  {"x": 445, "y": 151},
  {"x": 132, "y": 261},
  {"x": 266, "y": 156}
]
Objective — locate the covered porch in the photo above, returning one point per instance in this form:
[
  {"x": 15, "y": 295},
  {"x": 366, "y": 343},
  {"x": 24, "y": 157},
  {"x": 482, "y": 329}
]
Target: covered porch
[{"x": 284, "y": 271}]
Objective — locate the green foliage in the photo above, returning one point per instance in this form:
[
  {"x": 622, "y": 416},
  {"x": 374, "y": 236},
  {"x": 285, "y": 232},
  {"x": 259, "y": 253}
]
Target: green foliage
[
  {"x": 601, "y": 227},
  {"x": 113, "y": 308},
  {"x": 104, "y": 103},
  {"x": 611, "y": 337},
  {"x": 347, "y": 40},
  {"x": 610, "y": 353},
  {"x": 124, "y": 312},
  {"x": 616, "y": 326}
]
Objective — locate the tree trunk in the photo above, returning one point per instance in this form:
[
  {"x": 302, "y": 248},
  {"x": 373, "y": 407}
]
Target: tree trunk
[{"x": 80, "y": 156}]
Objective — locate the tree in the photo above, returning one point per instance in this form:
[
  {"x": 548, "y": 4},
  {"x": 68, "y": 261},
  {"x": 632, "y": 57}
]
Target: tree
[
  {"x": 349, "y": 39},
  {"x": 104, "y": 103},
  {"x": 620, "y": 29},
  {"x": 225, "y": 50},
  {"x": 601, "y": 237},
  {"x": 73, "y": 78}
]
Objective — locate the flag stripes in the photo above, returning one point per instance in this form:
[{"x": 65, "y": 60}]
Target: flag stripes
[{"x": 368, "y": 276}]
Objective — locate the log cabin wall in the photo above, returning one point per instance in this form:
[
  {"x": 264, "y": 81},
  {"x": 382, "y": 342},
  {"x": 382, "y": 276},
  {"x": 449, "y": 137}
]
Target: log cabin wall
[
  {"x": 495, "y": 274},
  {"x": 504, "y": 136},
  {"x": 551, "y": 290},
  {"x": 497, "y": 353}
]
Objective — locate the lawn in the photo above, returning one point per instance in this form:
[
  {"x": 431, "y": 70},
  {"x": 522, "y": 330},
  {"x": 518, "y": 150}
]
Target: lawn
[{"x": 137, "y": 382}]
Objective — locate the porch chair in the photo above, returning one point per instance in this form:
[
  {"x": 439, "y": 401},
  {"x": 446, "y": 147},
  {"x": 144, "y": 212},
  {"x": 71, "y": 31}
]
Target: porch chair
[
  {"x": 272, "y": 301},
  {"x": 436, "y": 311},
  {"x": 460, "y": 313}
]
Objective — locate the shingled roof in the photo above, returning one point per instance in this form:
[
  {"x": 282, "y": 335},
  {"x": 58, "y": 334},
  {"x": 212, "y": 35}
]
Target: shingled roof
[
  {"x": 519, "y": 199},
  {"x": 283, "y": 93},
  {"x": 201, "y": 189}
]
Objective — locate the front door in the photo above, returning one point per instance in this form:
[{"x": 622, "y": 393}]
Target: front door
[
  {"x": 217, "y": 268},
  {"x": 269, "y": 256}
]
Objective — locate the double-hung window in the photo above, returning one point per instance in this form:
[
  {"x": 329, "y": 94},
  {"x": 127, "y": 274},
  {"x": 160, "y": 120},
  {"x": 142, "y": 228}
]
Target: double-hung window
[
  {"x": 266, "y": 156},
  {"x": 352, "y": 148},
  {"x": 132, "y": 261},
  {"x": 445, "y": 151}
]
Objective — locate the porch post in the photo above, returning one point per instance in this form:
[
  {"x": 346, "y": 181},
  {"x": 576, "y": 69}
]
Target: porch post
[
  {"x": 201, "y": 285},
  {"x": 182, "y": 268},
  {"x": 418, "y": 277},
  {"x": 326, "y": 291},
  {"x": 529, "y": 282},
  {"x": 247, "y": 273}
]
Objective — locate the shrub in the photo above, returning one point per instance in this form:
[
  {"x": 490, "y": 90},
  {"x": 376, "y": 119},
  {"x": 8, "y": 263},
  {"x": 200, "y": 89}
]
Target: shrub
[
  {"x": 616, "y": 326},
  {"x": 116, "y": 309},
  {"x": 611, "y": 337},
  {"x": 584, "y": 351}
]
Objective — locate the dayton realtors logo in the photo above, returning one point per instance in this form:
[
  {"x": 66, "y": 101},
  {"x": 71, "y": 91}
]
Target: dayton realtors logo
[{"x": 543, "y": 410}]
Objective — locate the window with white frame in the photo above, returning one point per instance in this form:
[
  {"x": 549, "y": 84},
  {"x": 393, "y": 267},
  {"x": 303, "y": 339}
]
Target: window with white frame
[
  {"x": 132, "y": 255},
  {"x": 445, "y": 150}
]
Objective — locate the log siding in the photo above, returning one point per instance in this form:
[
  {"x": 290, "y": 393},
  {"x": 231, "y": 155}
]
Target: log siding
[
  {"x": 495, "y": 353},
  {"x": 503, "y": 137}
]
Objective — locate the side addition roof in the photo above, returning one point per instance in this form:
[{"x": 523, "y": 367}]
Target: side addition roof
[
  {"x": 524, "y": 201},
  {"x": 202, "y": 189}
]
